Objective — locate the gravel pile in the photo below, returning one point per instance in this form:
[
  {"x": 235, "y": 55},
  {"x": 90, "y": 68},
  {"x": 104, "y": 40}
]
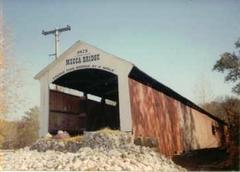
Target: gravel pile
[
  {"x": 102, "y": 150},
  {"x": 43, "y": 145},
  {"x": 106, "y": 139}
]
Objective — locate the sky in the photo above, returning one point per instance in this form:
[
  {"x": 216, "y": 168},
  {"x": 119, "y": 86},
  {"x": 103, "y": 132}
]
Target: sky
[{"x": 176, "y": 42}]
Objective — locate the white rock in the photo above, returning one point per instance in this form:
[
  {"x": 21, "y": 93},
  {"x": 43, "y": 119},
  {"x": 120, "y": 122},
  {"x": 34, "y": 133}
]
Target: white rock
[{"x": 97, "y": 151}]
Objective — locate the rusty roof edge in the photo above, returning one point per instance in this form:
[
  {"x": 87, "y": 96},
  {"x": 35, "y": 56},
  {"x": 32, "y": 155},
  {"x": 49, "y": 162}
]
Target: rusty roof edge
[{"x": 148, "y": 80}]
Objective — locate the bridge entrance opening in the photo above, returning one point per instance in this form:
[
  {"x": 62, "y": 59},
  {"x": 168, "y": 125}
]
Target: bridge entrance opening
[{"x": 84, "y": 100}]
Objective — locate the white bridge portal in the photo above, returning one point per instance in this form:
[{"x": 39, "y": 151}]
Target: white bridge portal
[{"x": 80, "y": 57}]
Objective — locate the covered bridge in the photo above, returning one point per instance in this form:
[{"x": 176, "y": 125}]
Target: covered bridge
[{"x": 87, "y": 89}]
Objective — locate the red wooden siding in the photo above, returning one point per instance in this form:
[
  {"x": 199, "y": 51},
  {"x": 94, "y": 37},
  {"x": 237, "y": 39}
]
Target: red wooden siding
[
  {"x": 63, "y": 102},
  {"x": 66, "y": 112},
  {"x": 76, "y": 114},
  {"x": 177, "y": 127}
]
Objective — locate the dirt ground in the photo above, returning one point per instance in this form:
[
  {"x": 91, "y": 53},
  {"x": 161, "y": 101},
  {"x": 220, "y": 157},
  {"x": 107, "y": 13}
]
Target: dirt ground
[{"x": 207, "y": 160}]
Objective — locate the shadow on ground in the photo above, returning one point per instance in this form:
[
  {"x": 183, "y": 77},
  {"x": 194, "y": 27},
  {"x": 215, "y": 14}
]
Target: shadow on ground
[{"x": 205, "y": 159}]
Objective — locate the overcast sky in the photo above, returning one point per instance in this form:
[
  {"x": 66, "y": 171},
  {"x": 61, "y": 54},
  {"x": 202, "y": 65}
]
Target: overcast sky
[{"x": 176, "y": 42}]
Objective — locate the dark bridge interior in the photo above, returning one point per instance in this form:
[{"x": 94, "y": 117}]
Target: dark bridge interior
[
  {"x": 92, "y": 81},
  {"x": 92, "y": 115}
]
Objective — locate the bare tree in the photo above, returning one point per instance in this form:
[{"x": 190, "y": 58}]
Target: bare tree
[
  {"x": 10, "y": 74},
  {"x": 203, "y": 91},
  {"x": 2, "y": 92}
]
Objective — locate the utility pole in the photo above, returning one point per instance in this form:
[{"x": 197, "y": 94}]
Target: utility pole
[{"x": 56, "y": 33}]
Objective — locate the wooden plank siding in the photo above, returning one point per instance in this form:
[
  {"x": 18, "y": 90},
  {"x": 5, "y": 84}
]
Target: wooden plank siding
[
  {"x": 76, "y": 114},
  {"x": 176, "y": 126},
  {"x": 66, "y": 112}
]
